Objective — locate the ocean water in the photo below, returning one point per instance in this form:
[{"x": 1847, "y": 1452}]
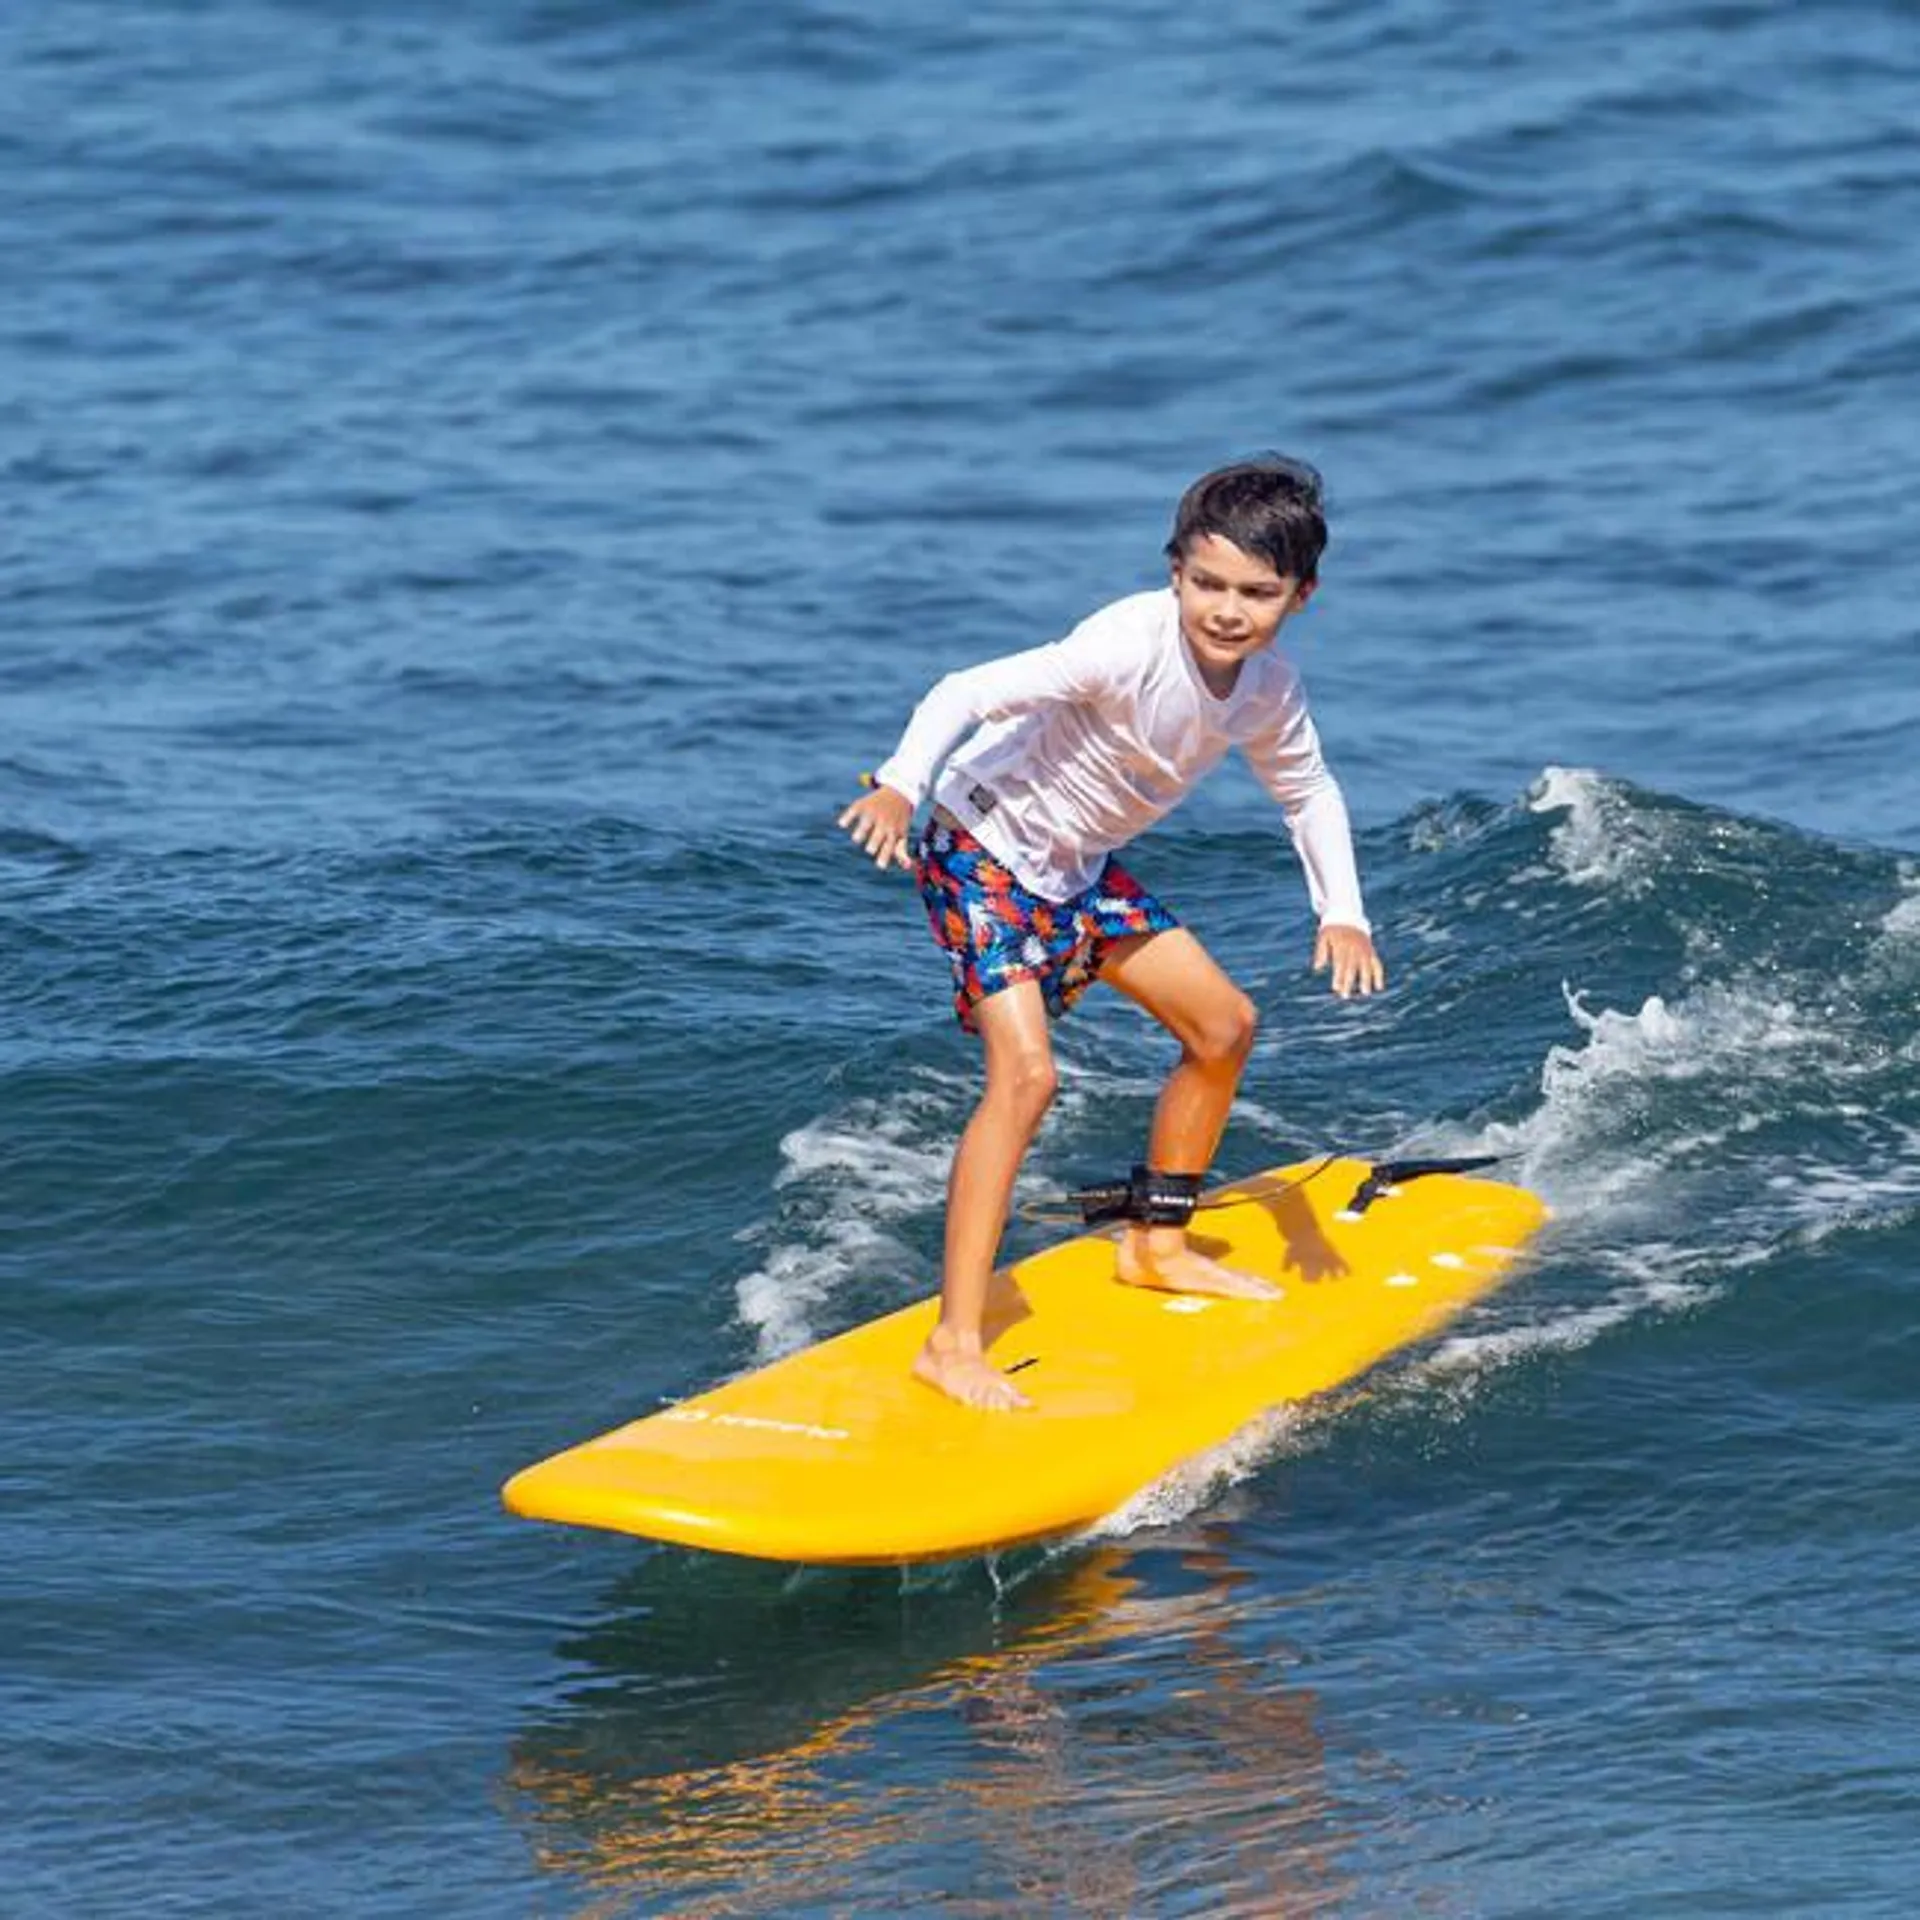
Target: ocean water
[{"x": 478, "y": 484}]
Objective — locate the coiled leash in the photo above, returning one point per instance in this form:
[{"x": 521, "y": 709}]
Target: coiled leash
[
  {"x": 1388, "y": 1174},
  {"x": 1150, "y": 1197}
]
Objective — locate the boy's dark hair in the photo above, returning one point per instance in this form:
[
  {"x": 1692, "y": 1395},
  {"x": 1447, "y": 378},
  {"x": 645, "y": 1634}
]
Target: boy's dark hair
[{"x": 1270, "y": 506}]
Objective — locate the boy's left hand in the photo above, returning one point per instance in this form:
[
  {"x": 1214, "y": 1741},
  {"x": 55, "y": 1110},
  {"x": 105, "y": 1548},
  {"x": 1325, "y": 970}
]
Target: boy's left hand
[{"x": 1350, "y": 953}]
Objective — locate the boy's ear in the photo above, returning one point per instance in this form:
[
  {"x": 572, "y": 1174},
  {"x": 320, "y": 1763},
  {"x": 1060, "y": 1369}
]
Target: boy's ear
[{"x": 1303, "y": 593}]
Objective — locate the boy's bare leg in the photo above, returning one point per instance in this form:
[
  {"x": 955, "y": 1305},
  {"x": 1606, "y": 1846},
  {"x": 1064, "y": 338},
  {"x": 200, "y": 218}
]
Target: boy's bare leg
[
  {"x": 1176, "y": 980},
  {"x": 1020, "y": 1085}
]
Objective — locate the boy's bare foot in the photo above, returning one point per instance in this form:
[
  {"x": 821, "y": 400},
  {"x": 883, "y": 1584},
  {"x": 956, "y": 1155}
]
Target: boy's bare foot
[
  {"x": 970, "y": 1378},
  {"x": 1166, "y": 1259}
]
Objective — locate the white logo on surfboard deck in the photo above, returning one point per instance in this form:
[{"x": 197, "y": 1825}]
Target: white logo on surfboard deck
[{"x": 754, "y": 1423}]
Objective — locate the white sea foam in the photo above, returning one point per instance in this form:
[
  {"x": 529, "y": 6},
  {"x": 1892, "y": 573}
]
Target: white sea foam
[
  {"x": 849, "y": 1182},
  {"x": 852, "y": 1180},
  {"x": 1598, "y": 1144},
  {"x": 1710, "y": 1030},
  {"x": 1903, "y": 920},
  {"x": 1605, "y": 1147},
  {"x": 1200, "y": 1481},
  {"x": 776, "y": 1299},
  {"x": 1601, "y": 842}
]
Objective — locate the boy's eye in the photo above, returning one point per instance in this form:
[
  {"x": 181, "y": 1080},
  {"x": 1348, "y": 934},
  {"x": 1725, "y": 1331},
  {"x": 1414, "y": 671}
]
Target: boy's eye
[{"x": 1208, "y": 584}]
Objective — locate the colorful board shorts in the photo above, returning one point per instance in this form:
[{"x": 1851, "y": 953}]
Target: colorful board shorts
[{"x": 995, "y": 932}]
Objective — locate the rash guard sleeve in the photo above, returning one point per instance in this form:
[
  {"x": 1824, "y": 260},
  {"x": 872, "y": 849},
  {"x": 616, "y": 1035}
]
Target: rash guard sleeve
[
  {"x": 1289, "y": 764},
  {"x": 1072, "y": 669}
]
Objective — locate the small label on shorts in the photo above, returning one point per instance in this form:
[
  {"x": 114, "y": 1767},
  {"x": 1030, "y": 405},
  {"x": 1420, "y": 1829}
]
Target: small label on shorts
[{"x": 983, "y": 800}]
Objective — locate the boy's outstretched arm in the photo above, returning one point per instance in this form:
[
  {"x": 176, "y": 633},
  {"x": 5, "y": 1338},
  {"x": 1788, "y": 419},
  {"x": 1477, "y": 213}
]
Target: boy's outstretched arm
[
  {"x": 1289, "y": 764},
  {"x": 1071, "y": 669},
  {"x": 882, "y": 819},
  {"x": 1349, "y": 951},
  {"x": 879, "y": 823}
]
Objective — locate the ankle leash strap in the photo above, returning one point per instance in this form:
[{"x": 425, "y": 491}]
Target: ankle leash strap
[{"x": 1147, "y": 1195}]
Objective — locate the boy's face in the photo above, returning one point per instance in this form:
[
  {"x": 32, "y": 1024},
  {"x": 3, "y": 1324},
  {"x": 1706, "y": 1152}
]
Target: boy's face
[{"x": 1232, "y": 603}]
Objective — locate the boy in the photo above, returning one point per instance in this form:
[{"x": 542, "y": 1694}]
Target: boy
[{"x": 1075, "y": 749}]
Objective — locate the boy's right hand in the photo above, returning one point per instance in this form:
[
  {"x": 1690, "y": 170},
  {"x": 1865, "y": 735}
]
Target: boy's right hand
[{"x": 879, "y": 823}]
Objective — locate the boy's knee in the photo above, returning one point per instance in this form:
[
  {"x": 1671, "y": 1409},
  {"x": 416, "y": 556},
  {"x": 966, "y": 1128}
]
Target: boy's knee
[
  {"x": 1029, "y": 1081},
  {"x": 1229, "y": 1030}
]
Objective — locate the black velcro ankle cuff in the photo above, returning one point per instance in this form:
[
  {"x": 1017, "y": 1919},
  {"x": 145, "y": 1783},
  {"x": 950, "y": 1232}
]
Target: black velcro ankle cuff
[
  {"x": 1153, "y": 1199},
  {"x": 1163, "y": 1199}
]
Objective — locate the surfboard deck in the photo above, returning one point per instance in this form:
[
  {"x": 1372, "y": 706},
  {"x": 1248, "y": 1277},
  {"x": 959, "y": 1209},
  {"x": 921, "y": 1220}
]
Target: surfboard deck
[{"x": 836, "y": 1455}]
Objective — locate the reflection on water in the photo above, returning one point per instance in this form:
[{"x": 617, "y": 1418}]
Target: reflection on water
[{"x": 1111, "y": 1733}]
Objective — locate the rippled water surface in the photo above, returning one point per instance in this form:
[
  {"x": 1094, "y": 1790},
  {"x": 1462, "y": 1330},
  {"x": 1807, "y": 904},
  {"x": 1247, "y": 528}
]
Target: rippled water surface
[{"x": 478, "y": 483}]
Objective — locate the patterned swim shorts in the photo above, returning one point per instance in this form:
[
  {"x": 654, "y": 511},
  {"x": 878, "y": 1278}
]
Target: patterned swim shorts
[{"x": 995, "y": 932}]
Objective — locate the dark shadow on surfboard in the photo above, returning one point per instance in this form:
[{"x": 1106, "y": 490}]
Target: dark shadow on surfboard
[{"x": 1307, "y": 1252}]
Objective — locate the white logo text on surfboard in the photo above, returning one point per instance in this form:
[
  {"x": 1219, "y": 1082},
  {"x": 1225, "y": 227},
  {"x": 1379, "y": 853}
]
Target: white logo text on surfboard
[{"x": 754, "y": 1423}]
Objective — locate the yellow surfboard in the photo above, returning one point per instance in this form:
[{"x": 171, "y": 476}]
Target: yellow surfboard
[{"x": 835, "y": 1454}]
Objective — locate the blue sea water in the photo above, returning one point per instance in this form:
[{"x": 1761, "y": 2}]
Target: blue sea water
[{"x": 478, "y": 483}]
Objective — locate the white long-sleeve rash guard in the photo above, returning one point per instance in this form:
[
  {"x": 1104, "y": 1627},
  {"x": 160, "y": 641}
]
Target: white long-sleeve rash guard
[{"x": 1078, "y": 747}]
